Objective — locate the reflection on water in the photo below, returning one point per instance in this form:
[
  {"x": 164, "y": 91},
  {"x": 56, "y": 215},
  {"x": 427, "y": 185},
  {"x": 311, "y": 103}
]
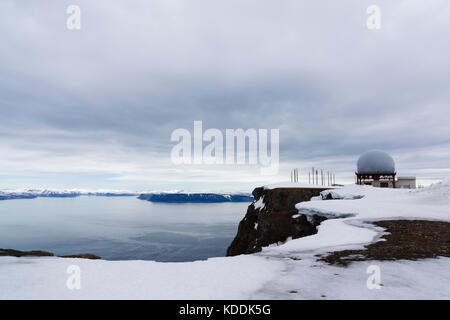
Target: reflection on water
[{"x": 120, "y": 228}]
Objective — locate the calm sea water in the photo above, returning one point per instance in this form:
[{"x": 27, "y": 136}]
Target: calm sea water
[{"x": 120, "y": 228}]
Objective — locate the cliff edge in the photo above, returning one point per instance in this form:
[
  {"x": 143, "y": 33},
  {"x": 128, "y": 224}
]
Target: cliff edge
[{"x": 272, "y": 218}]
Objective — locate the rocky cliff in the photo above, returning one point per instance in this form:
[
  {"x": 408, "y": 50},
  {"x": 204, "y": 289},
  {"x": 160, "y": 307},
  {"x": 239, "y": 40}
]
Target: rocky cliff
[{"x": 272, "y": 218}]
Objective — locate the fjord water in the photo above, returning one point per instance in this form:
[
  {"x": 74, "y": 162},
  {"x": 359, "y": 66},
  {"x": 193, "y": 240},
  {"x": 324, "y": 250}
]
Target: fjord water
[{"x": 120, "y": 228}]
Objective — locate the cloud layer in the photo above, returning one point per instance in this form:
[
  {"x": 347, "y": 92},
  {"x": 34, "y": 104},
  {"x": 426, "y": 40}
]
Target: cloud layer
[{"x": 95, "y": 107}]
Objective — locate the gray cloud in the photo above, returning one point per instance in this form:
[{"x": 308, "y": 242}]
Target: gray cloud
[{"x": 105, "y": 99}]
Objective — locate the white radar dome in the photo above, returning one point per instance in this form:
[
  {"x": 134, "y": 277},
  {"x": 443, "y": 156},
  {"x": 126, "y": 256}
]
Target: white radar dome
[{"x": 375, "y": 162}]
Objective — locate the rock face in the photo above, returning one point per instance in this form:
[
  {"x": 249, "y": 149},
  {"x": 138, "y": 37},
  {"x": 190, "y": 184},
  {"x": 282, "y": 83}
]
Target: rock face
[{"x": 269, "y": 219}]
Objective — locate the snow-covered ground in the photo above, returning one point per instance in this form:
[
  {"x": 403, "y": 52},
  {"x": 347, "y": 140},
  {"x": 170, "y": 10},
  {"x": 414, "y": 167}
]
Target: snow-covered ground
[
  {"x": 425, "y": 279},
  {"x": 354, "y": 206},
  {"x": 217, "y": 278},
  {"x": 286, "y": 271}
]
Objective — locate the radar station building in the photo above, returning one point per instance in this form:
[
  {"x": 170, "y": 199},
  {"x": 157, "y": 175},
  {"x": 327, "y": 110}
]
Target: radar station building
[{"x": 377, "y": 168}]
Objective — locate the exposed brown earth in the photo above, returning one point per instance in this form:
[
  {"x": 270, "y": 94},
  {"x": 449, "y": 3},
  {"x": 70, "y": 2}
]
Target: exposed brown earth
[{"x": 407, "y": 239}]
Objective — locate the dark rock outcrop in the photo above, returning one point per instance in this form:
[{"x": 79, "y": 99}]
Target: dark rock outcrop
[
  {"x": 82, "y": 256},
  {"x": 39, "y": 253},
  {"x": 17, "y": 253},
  {"x": 274, "y": 219}
]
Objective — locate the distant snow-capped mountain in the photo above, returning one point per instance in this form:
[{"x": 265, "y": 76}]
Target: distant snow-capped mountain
[{"x": 46, "y": 193}]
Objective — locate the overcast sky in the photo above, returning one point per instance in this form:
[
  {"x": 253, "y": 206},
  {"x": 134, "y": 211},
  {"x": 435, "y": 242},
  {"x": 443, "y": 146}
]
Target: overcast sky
[{"x": 95, "y": 107}]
